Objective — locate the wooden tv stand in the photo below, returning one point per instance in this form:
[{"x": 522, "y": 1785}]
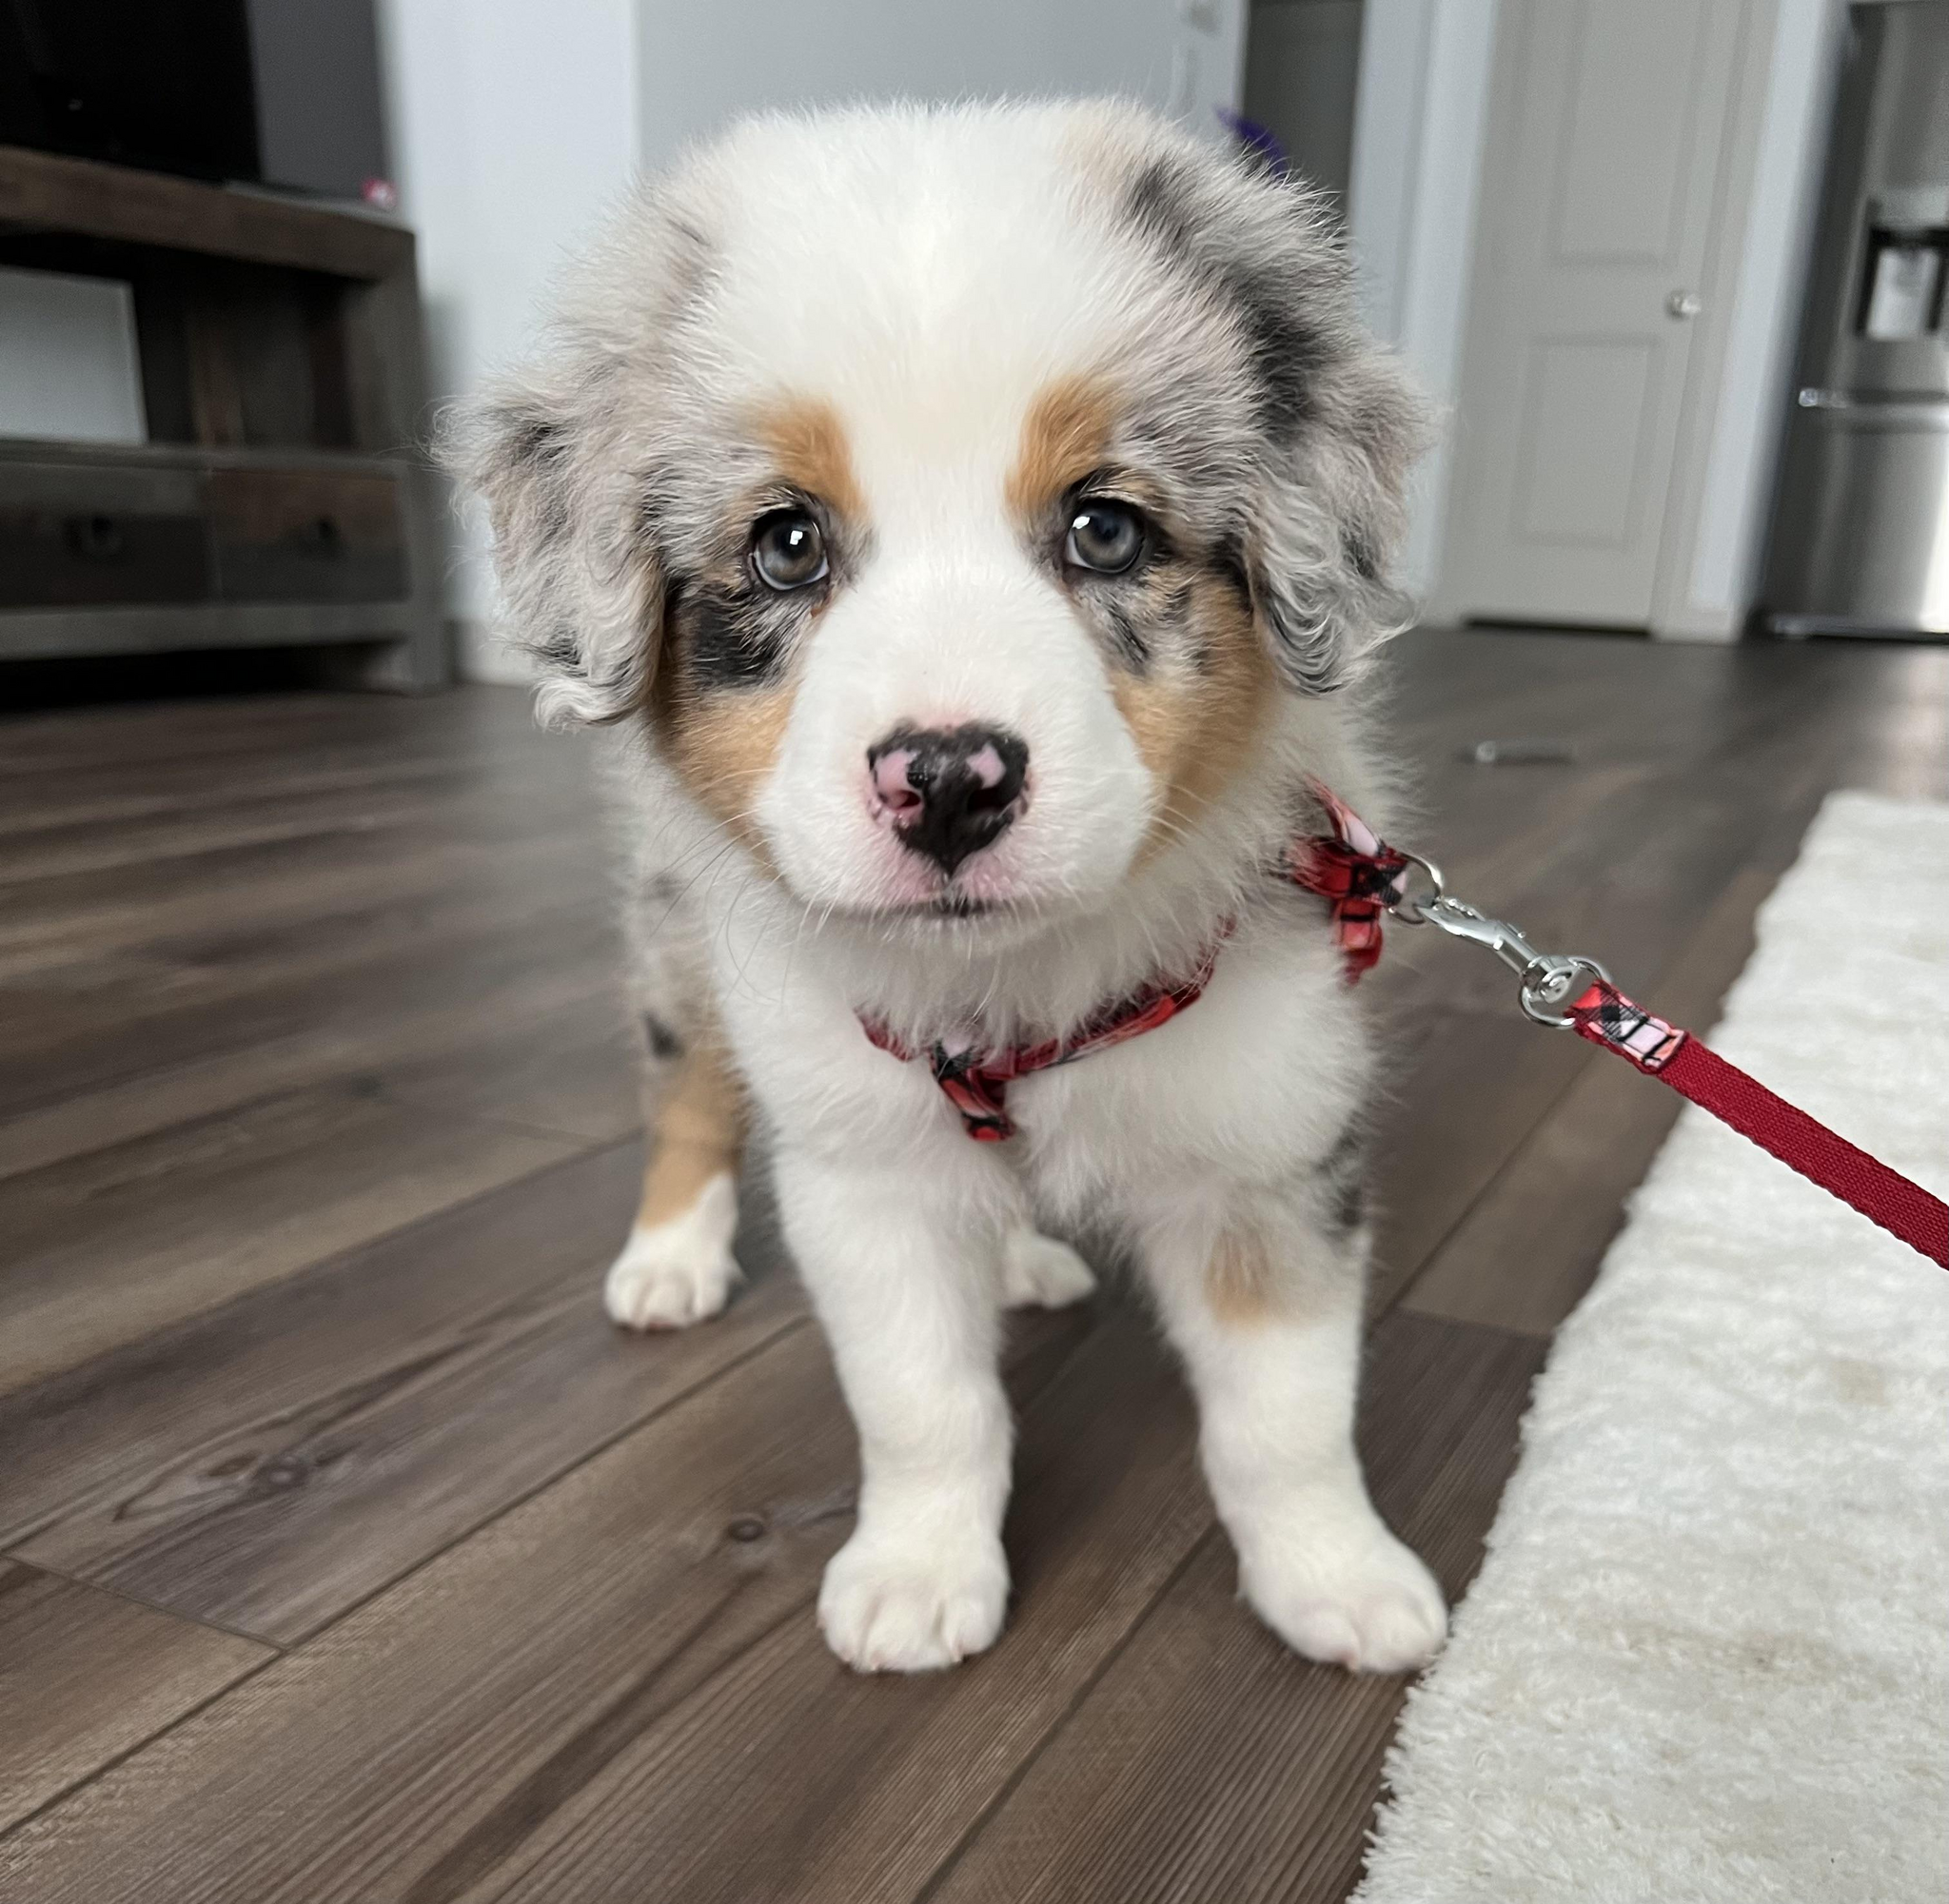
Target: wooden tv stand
[{"x": 283, "y": 496}]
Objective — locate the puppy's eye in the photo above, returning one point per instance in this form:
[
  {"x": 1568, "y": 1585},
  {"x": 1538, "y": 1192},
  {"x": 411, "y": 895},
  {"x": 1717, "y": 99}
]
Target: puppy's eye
[
  {"x": 1104, "y": 536},
  {"x": 788, "y": 550}
]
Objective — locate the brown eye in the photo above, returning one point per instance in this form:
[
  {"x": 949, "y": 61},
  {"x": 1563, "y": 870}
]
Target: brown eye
[
  {"x": 787, "y": 550},
  {"x": 1104, "y": 537}
]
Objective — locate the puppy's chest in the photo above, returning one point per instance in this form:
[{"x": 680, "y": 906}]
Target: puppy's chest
[{"x": 1262, "y": 1071}]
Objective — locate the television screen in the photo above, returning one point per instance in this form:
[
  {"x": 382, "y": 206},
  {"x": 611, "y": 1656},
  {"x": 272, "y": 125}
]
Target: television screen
[{"x": 282, "y": 93}]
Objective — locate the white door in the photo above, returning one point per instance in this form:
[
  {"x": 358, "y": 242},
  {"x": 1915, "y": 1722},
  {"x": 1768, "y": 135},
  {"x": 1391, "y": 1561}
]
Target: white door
[{"x": 1600, "y": 179}]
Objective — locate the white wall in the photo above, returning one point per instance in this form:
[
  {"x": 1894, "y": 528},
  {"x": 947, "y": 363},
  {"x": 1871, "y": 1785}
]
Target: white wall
[
  {"x": 700, "y": 64},
  {"x": 513, "y": 124},
  {"x": 1418, "y": 133}
]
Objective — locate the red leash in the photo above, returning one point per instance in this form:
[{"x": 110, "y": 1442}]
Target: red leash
[
  {"x": 1359, "y": 877},
  {"x": 1606, "y": 1017},
  {"x": 1576, "y": 994}
]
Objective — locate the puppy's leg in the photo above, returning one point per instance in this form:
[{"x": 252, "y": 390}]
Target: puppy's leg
[
  {"x": 1262, "y": 1295},
  {"x": 904, "y": 1270},
  {"x": 1037, "y": 1273},
  {"x": 677, "y": 1267}
]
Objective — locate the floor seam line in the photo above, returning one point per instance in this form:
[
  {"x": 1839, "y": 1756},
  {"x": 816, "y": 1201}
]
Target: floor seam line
[
  {"x": 789, "y": 1326},
  {"x": 325, "y": 1262},
  {"x": 979, "y": 1824},
  {"x": 122, "y": 1757},
  {"x": 1487, "y": 1183},
  {"x": 128, "y": 1598}
]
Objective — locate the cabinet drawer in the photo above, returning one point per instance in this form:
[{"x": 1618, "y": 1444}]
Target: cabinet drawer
[
  {"x": 76, "y": 536},
  {"x": 90, "y": 557},
  {"x": 305, "y": 534}
]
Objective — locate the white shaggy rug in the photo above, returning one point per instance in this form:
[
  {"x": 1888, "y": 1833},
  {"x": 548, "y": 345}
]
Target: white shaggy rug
[{"x": 1707, "y": 1657}]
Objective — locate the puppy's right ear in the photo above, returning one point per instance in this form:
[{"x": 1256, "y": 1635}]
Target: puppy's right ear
[{"x": 575, "y": 549}]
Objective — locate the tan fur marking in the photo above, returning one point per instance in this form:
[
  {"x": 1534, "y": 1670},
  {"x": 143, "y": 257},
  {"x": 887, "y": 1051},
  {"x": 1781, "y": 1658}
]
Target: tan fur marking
[
  {"x": 1239, "y": 1278},
  {"x": 809, "y": 443},
  {"x": 1194, "y": 730},
  {"x": 722, "y": 746},
  {"x": 1065, "y": 436},
  {"x": 696, "y": 1134}
]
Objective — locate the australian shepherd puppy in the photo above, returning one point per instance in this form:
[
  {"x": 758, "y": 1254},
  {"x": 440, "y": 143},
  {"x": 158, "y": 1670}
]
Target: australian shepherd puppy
[{"x": 974, "y": 524}]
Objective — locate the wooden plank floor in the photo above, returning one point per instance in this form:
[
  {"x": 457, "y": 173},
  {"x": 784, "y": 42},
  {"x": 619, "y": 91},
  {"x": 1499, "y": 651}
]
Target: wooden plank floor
[{"x": 346, "y": 1553}]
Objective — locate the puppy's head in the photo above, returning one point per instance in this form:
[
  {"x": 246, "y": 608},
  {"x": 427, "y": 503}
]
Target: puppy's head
[{"x": 954, "y": 495}]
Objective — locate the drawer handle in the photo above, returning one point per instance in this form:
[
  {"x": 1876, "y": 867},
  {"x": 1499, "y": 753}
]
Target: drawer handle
[
  {"x": 95, "y": 538},
  {"x": 322, "y": 536}
]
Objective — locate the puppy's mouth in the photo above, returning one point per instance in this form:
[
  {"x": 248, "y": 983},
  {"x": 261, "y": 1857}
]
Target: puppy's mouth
[
  {"x": 949, "y": 911},
  {"x": 947, "y": 908}
]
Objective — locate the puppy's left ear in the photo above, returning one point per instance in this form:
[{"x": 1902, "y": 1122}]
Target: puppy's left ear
[
  {"x": 1339, "y": 423},
  {"x": 1330, "y": 518}
]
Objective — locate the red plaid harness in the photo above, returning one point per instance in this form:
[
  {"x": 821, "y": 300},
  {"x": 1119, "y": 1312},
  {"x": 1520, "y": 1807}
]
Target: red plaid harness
[
  {"x": 976, "y": 1080},
  {"x": 1349, "y": 868},
  {"x": 1359, "y": 877}
]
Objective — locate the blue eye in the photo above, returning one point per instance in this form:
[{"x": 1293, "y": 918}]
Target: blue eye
[
  {"x": 788, "y": 550},
  {"x": 1105, "y": 537}
]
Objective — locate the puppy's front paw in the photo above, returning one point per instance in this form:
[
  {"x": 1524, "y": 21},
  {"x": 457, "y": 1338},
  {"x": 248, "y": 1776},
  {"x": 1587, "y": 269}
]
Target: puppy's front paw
[
  {"x": 1039, "y": 1272},
  {"x": 675, "y": 1273},
  {"x": 1350, "y": 1596},
  {"x": 893, "y": 1605}
]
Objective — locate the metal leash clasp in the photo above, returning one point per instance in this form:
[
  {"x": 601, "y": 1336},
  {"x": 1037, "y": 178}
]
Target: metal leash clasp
[{"x": 1548, "y": 981}]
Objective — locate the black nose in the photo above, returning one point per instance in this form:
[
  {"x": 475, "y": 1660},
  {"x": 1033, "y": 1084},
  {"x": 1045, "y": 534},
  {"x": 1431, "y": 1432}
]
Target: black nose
[{"x": 949, "y": 791}]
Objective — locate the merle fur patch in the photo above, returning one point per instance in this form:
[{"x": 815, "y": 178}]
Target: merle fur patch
[
  {"x": 728, "y": 640},
  {"x": 1342, "y": 1177},
  {"x": 1287, "y": 352},
  {"x": 1129, "y": 640}
]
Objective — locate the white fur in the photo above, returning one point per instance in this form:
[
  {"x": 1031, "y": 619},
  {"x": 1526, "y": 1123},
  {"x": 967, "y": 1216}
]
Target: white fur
[
  {"x": 1037, "y": 1273},
  {"x": 925, "y": 276},
  {"x": 1016, "y": 659},
  {"x": 1172, "y": 1130},
  {"x": 1315, "y": 1560},
  {"x": 675, "y": 1273}
]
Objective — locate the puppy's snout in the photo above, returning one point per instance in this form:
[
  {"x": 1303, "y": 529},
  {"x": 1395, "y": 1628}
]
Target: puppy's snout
[{"x": 948, "y": 791}]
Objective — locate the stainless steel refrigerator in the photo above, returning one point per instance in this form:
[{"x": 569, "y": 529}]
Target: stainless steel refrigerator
[{"x": 1860, "y": 527}]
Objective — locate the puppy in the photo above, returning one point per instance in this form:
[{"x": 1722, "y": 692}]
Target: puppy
[{"x": 972, "y": 525}]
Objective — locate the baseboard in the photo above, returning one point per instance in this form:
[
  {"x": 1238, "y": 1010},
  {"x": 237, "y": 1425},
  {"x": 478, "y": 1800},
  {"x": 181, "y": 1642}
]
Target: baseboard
[{"x": 1690, "y": 622}]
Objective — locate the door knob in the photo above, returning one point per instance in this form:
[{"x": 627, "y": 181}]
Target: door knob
[{"x": 1684, "y": 303}]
